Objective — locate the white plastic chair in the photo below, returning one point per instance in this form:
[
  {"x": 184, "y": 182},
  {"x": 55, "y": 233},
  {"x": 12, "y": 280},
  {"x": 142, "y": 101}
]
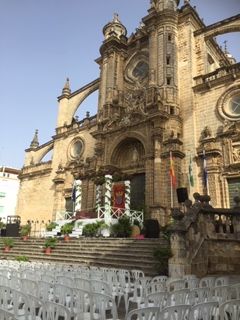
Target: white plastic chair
[
  {"x": 192, "y": 283},
  {"x": 178, "y": 297},
  {"x": 29, "y": 286},
  {"x": 208, "y": 281},
  {"x": 103, "y": 307},
  {"x": 45, "y": 291},
  {"x": 66, "y": 281},
  {"x": 157, "y": 299},
  {"x": 34, "y": 308},
  {"x": 82, "y": 304},
  {"x": 6, "y": 301},
  {"x": 138, "y": 293},
  {"x": 149, "y": 313},
  {"x": 200, "y": 295},
  {"x": 155, "y": 286},
  {"x": 204, "y": 311},
  {"x": 98, "y": 286},
  {"x": 136, "y": 274},
  {"x": 64, "y": 295},
  {"x": 222, "y": 281},
  {"x": 55, "y": 311},
  {"x": 234, "y": 291},
  {"x": 5, "y": 315},
  {"x": 180, "y": 312},
  {"x": 230, "y": 310},
  {"x": 173, "y": 285},
  {"x": 82, "y": 284},
  {"x": 221, "y": 294}
]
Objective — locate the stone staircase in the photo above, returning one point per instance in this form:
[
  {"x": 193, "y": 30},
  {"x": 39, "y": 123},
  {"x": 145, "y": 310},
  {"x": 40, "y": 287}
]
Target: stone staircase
[{"x": 125, "y": 253}]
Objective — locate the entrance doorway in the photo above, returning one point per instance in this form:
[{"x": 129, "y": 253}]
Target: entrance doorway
[
  {"x": 137, "y": 193},
  {"x": 234, "y": 190}
]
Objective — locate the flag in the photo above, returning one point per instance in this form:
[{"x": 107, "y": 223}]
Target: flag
[
  {"x": 205, "y": 174},
  {"x": 73, "y": 197},
  {"x": 190, "y": 173},
  {"x": 172, "y": 173}
]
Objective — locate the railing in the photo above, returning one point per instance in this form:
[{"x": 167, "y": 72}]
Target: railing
[
  {"x": 43, "y": 166},
  {"x": 218, "y": 73},
  {"x": 197, "y": 235},
  {"x": 116, "y": 213},
  {"x": 64, "y": 215}
]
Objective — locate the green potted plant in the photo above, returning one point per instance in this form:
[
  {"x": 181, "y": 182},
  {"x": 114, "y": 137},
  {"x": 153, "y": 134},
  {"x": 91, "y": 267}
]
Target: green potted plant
[
  {"x": 122, "y": 228},
  {"x": 51, "y": 225},
  {"x": 25, "y": 231},
  {"x": 8, "y": 244},
  {"x": 50, "y": 243},
  {"x": 66, "y": 229},
  {"x": 90, "y": 230}
]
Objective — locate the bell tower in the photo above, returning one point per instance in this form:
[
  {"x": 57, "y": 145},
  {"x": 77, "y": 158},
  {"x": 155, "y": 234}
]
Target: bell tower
[{"x": 111, "y": 64}]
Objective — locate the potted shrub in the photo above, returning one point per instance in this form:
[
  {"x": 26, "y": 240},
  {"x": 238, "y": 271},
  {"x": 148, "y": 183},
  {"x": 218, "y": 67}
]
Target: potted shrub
[
  {"x": 122, "y": 228},
  {"x": 104, "y": 229},
  {"x": 25, "y": 231},
  {"x": 66, "y": 229},
  {"x": 8, "y": 244},
  {"x": 51, "y": 225},
  {"x": 90, "y": 230},
  {"x": 50, "y": 243}
]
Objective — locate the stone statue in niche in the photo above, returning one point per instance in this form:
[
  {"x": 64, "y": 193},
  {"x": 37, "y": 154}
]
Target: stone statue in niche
[
  {"x": 236, "y": 155},
  {"x": 206, "y": 133},
  {"x": 135, "y": 154}
]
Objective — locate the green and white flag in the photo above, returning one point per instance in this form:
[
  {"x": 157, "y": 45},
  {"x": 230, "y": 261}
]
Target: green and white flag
[{"x": 190, "y": 173}]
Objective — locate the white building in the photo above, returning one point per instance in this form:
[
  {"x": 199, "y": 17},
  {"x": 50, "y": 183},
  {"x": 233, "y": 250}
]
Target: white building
[{"x": 9, "y": 186}]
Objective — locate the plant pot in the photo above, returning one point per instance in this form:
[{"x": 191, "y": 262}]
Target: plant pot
[
  {"x": 135, "y": 231},
  {"x": 6, "y": 249},
  {"x": 48, "y": 250},
  {"x": 66, "y": 237},
  {"x": 25, "y": 238},
  {"x": 105, "y": 232}
]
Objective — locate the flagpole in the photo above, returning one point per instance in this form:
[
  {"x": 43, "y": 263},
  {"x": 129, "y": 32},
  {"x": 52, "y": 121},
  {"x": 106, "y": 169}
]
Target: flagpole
[
  {"x": 171, "y": 179},
  {"x": 205, "y": 172}
]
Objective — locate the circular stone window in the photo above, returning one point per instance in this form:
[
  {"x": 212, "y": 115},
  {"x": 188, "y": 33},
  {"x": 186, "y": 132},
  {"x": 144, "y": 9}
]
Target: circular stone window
[
  {"x": 76, "y": 148},
  {"x": 229, "y": 104}
]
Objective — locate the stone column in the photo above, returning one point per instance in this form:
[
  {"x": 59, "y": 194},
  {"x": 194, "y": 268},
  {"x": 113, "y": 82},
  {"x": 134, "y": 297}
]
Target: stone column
[
  {"x": 107, "y": 198},
  {"x": 78, "y": 194},
  {"x": 127, "y": 196}
]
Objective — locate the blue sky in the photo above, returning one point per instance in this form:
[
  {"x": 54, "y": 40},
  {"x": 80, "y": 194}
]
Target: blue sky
[{"x": 43, "y": 42}]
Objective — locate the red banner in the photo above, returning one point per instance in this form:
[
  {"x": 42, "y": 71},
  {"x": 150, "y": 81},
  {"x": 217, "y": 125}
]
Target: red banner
[{"x": 119, "y": 195}]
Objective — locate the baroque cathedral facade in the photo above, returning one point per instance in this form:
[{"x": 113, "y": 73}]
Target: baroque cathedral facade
[{"x": 166, "y": 90}]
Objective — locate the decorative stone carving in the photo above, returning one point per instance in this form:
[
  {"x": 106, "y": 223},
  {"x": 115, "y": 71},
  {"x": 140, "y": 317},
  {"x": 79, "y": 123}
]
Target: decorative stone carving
[
  {"x": 236, "y": 154},
  {"x": 135, "y": 100}
]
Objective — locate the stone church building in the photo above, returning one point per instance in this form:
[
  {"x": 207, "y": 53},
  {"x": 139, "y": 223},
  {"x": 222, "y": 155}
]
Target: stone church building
[{"x": 168, "y": 98}]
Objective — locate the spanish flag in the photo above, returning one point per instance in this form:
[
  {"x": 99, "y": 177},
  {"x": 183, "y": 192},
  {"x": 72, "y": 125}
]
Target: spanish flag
[{"x": 172, "y": 173}]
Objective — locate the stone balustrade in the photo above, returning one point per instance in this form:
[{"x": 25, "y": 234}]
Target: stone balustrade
[
  {"x": 36, "y": 168},
  {"x": 199, "y": 235},
  {"x": 218, "y": 73}
]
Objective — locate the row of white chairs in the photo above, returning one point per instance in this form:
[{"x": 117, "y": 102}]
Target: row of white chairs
[
  {"x": 230, "y": 310},
  {"x": 81, "y": 306}
]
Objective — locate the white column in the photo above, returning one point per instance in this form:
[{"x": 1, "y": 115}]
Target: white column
[
  {"x": 98, "y": 198},
  {"x": 107, "y": 198},
  {"x": 127, "y": 197},
  {"x": 78, "y": 201}
]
